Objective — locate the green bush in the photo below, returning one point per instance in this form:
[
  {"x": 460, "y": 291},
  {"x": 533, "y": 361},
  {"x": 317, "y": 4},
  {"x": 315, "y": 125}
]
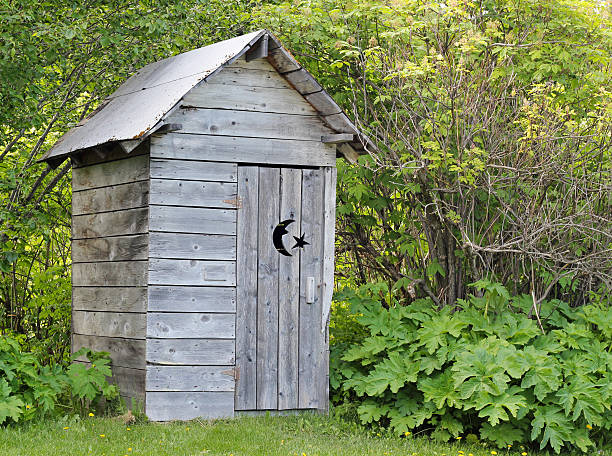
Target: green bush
[
  {"x": 29, "y": 389},
  {"x": 483, "y": 367}
]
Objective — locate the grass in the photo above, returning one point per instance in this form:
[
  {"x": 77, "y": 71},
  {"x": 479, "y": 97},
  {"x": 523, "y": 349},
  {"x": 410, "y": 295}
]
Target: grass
[{"x": 306, "y": 435}]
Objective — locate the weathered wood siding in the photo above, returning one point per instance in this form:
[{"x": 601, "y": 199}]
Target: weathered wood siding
[
  {"x": 210, "y": 329},
  {"x": 109, "y": 253}
]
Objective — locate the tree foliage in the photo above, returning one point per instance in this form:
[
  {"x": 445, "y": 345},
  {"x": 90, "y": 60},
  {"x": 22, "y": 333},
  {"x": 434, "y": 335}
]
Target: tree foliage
[
  {"x": 493, "y": 120},
  {"x": 58, "y": 60}
]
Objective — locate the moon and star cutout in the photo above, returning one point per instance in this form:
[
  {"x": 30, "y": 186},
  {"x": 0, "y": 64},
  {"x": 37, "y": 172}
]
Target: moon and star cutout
[{"x": 277, "y": 238}]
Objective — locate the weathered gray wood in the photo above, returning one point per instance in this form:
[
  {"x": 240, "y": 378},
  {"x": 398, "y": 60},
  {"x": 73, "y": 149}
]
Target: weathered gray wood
[
  {"x": 106, "y": 154},
  {"x": 250, "y": 77},
  {"x": 259, "y": 64},
  {"x": 118, "y": 248},
  {"x": 192, "y": 246},
  {"x": 348, "y": 152},
  {"x": 114, "y": 198},
  {"x": 243, "y": 150},
  {"x": 110, "y": 299},
  {"x": 323, "y": 103},
  {"x": 109, "y": 324},
  {"x": 340, "y": 123},
  {"x": 282, "y": 60},
  {"x": 243, "y": 98},
  {"x": 246, "y": 265},
  {"x": 115, "y": 274},
  {"x": 289, "y": 292},
  {"x": 337, "y": 138},
  {"x": 193, "y": 170},
  {"x": 190, "y": 378},
  {"x": 251, "y": 124},
  {"x": 298, "y": 412},
  {"x": 166, "y": 406},
  {"x": 258, "y": 50},
  {"x": 132, "y": 221},
  {"x": 192, "y": 193},
  {"x": 267, "y": 290},
  {"x": 190, "y": 325},
  {"x": 131, "y": 382},
  {"x": 310, "y": 338},
  {"x": 111, "y": 173},
  {"x": 329, "y": 225},
  {"x": 192, "y": 299},
  {"x": 192, "y": 220},
  {"x": 203, "y": 352},
  {"x": 128, "y": 145},
  {"x": 192, "y": 272},
  {"x": 303, "y": 82},
  {"x": 123, "y": 352}
]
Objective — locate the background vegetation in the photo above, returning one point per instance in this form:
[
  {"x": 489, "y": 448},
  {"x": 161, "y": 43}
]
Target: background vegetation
[{"x": 474, "y": 243}]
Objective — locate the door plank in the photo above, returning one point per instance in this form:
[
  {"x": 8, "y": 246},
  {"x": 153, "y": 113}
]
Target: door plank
[
  {"x": 267, "y": 290},
  {"x": 289, "y": 291},
  {"x": 310, "y": 337},
  {"x": 246, "y": 299}
]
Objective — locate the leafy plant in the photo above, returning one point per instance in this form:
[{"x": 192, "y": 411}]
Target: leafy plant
[
  {"x": 29, "y": 389},
  {"x": 480, "y": 368}
]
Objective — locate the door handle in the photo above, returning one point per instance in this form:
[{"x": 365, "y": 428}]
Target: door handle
[{"x": 310, "y": 290}]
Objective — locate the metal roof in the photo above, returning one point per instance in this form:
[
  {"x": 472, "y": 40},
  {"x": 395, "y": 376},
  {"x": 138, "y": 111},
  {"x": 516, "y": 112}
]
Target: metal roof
[{"x": 138, "y": 107}]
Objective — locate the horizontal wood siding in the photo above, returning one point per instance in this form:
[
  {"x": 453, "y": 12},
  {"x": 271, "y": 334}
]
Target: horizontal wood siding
[
  {"x": 244, "y": 150},
  {"x": 192, "y": 299},
  {"x": 192, "y": 296},
  {"x": 174, "y": 405},
  {"x": 110, "y": 262},
  {"x": 190, "y": 325},
  {"x": 126, "y": 352},
  {"x": 193, "y": 352},
  {"x": 109, "y": 324},
  {"x": 190, "y": 378},
  {"x": 110, "y": 299}
]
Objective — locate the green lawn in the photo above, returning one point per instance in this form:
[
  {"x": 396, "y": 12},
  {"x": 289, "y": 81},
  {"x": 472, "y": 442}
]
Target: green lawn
[{"x": 309, "y": 435}]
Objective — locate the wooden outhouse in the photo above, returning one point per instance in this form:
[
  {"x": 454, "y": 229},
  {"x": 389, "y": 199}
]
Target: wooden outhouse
[{"x": 203, "y": 230}]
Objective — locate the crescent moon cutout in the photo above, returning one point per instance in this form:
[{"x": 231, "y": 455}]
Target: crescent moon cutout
[{"x": 277, "y": 236}]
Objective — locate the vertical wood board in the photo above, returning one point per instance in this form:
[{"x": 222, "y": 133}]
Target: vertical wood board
[
  {"x": 267, "y": 290},
  {"x": 246, "y": 304},
  {"x": 289, "y": 291}
]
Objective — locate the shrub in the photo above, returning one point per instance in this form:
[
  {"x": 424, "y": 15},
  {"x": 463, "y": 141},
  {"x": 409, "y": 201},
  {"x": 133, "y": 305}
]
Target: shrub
[
  {"x": 29, "y": 389},
  {"x": 482, "y": 367}
]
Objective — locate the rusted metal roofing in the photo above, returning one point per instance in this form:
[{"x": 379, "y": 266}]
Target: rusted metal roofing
[{"x": 138, "y": 107}]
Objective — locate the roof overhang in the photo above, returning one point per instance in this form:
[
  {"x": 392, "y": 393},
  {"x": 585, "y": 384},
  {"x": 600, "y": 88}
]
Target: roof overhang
[{"x": 139, "y": 107}]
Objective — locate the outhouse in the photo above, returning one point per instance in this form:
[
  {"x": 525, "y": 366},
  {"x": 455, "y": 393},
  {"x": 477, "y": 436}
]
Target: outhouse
[{"x": 203, "y": 230}]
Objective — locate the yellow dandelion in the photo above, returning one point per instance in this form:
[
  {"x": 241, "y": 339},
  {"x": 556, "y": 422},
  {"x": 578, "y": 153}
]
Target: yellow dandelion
[
  {"x": 66, "y": 428},
  {"x": 509, "y": 446},
  {"x": 470, "y": 454},
  {"x": 129, "y": 449},
  {"x": 588, "y": 426},
  {"x": 460, "y": 451},
  {"x": 493, "y": 452},
  {"x": 523, "y": 454},
  {"x": 128, "y": 429},
  {"x": 406, "y": 434},
  {"x": 102, "y": 435},
  {"x": 91, "y": 414},
  {"x": 378, "y": 434},
  {"x": 28, "y": 406},
  {"x": 458, "y": 438}
]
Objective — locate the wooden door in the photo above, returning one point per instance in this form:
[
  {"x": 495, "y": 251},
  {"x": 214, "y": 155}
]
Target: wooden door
[{"x": 281, "y": 346}]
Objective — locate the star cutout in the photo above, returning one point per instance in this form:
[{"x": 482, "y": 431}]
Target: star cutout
[{"x": 300, "y": 242}]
